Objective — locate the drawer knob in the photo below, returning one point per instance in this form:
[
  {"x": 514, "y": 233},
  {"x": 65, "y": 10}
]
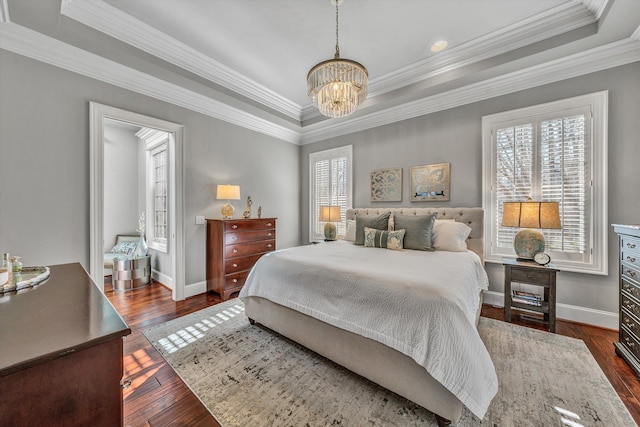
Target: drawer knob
[
  {"x": 269, "y": 245},
  {"x": 235, "y": 280},
  {"x": 234, "y": 238},
  {"x": 630, "y": 259},
  {"x": 629, "y": 324},
  {"x": 235, "y": 251},
  {"x": 234, "y": 226},
  {"x": 269, "y": 234},
  {"x": 629, "y": 342},
  {"x": 631, "y": 273},
  {"x": 234, "y": 265},
  {"x": 269, "y": 224},
  {"x": 631, "y": 245}
]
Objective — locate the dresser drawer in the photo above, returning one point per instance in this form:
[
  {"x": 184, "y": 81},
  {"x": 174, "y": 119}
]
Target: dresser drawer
[
  {"x": 234, "y": 265},
  {"x": 629, "y": 243},
  {"x": 630, "y": 272},
  {"x": 630, "y": 322},
  {"x": 530, "y": 276},
  {"x": 235, "y": 280},
  {"x": 244, "y": 249},
  {"x": 630, "y": 305},
  {"x": 629, "y": 341},
  {"x": 250, "y": 224},
  {"x": 630, "y": 257},
  {"x": 631, "y": 289},
  {"x": 249, "y": 236}
]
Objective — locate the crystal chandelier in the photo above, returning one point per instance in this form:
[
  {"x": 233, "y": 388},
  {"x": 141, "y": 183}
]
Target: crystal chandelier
[{"x": 337, "y": 86}]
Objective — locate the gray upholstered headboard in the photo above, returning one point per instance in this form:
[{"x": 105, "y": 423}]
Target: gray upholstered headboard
[{"x": 473, "y": 217}]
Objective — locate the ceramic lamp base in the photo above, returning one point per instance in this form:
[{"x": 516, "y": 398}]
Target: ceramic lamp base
[
  {"x": 227, "y": 211},
  {"x": 330, "y": 231},
  {"x": 527, "y": 243}
]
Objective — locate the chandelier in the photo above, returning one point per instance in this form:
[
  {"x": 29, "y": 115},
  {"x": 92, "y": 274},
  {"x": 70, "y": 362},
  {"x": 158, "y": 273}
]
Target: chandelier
[{"x": 337, "y": 86}]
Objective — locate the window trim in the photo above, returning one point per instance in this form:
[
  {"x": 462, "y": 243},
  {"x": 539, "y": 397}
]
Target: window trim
[
  {"x": 344, "y": 151},
  {"x": 596, "y": 260}
]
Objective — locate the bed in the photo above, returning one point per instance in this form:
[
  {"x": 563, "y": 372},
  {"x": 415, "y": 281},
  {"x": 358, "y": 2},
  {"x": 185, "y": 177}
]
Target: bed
[{"x": 307, "y": 294}]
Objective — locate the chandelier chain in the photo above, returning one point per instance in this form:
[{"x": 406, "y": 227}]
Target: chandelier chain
[{"x": 337, "y": 46}]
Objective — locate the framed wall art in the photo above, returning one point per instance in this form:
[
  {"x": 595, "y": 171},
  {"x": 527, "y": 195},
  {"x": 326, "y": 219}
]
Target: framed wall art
[
  {"x": 386, "y": 185},
  {"x": 430, "y": 183}
]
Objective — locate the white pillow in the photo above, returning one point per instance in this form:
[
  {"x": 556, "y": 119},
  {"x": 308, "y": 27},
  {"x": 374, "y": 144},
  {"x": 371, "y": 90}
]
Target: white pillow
[
  {"x": 450, "y": 236},
  {"x": 351, "y": 231}
]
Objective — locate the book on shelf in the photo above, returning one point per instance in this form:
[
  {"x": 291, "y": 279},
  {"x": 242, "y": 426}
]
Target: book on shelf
[{"x": 528, "y": 298}]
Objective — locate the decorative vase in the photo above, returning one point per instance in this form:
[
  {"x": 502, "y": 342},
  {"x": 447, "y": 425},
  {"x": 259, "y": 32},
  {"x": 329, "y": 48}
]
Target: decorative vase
[{"x": 142, "y": 248}]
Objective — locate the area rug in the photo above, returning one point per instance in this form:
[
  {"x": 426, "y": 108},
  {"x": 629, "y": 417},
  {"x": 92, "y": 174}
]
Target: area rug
[{"x": 250, "y": 376}]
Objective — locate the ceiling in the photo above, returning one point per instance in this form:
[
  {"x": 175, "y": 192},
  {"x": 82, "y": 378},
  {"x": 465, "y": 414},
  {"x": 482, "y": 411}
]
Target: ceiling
[{"x": 246, "y": 61}]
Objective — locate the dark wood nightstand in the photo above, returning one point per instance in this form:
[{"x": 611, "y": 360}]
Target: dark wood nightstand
[{"x": 532, "y": 274}]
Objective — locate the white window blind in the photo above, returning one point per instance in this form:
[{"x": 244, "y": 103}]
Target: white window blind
[
  {"x": 330, "y": 185},
  {"x": 159, "y": 156},
  {"x": 553, "y": 152}
]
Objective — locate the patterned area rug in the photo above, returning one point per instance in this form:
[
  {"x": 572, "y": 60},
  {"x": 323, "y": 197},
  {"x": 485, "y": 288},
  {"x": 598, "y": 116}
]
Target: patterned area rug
[{"x": 249, "y": 376}]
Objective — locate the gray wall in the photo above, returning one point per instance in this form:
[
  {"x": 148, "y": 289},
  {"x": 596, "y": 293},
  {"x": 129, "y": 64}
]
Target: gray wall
[
  {"x": 455, "y": 136},
  {"x": 44, "y": 165},
  {"x": 120, "y": 183}
]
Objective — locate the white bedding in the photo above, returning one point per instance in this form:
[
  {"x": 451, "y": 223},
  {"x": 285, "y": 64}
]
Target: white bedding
[{"x": 377, "y": 293}]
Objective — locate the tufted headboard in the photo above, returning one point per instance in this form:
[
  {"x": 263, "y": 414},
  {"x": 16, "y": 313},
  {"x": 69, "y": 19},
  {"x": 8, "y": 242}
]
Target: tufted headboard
[{"x": 473, "y": 217}]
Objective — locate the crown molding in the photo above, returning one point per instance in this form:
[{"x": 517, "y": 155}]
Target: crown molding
[
  {"x": 545, "y": 25},
  {"x": 590, "y": 61},
  {"x": 32, "y": 44},
  {"x": 109, "y": 20},
  {"x": 27, "y": 42}
]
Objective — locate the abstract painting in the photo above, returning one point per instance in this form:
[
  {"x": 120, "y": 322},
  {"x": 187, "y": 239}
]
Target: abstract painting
[
  {"x": 430, "y": 183},
  {"x": 386, "y": 185}
]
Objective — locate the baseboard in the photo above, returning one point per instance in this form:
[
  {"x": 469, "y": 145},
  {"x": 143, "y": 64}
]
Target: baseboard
[
  {"x": 195, "y": 289},
  {"x": 573, "y": 313},
  {"x": 162, "y": 278}
]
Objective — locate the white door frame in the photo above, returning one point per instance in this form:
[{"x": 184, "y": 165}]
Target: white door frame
[{"x": 97, "y": 114}]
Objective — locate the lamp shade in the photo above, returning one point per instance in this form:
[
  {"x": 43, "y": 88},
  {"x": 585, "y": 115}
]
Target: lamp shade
[
  {"x": 330, "y": 214},
  {"x": 228, "y": 192},
  {"x": 531, "y": 214}
]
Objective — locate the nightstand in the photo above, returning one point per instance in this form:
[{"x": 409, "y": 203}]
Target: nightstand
[{"x": 531, "y": 274}]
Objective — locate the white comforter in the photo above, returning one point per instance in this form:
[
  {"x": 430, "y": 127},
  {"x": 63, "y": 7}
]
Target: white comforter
[{"x": 422, "y": 304}]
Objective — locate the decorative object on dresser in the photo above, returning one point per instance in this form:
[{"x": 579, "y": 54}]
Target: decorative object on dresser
[
  {"x": 628, "y": 346},
  {"x": 533, "y": 274},
  {"x": 430, "y": 183},
  {"x": 228, "y": 193},
  {"x": 386, "y": 185},
  {"x": 233, "y": 247},
  {"x": 529, "y": 215},
  {"x": 330, "y": 215},
  {"x": 247, "y": 213}
]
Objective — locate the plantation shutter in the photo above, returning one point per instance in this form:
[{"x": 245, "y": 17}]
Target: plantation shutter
[
  {"x": 546, "y": 159},
  {"x": 330, "y": 183}
]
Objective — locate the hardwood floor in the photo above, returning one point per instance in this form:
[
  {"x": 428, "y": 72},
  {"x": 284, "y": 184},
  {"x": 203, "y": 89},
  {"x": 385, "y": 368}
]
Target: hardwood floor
[{"x": 158, "y": 397}]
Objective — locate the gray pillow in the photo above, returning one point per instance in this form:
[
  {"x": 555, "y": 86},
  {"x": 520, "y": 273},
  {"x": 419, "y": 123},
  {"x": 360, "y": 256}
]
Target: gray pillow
[
  {"x": 418, "y": 230},
  {"x": 380, "y": 222}
]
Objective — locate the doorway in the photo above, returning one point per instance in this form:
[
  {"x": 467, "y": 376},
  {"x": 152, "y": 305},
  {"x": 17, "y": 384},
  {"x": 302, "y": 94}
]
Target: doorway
[{"x": 99, "y": 116}]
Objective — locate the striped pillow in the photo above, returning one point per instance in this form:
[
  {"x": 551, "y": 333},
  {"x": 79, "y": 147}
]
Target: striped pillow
[{"x": 374, "y": 238}]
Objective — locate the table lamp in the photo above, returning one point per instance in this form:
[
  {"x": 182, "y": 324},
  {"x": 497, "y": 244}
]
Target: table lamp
[
  {"x": 530, "y": 215},
  {"x": 330, "y": 215},
  {"x": 227, "y": 192}
]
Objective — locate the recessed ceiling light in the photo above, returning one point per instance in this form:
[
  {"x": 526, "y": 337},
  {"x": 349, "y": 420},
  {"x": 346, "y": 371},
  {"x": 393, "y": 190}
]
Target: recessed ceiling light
[{"x": 439, "y": 45}]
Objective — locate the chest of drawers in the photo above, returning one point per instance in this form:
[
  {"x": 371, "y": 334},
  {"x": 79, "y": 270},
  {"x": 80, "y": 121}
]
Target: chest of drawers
[
  {"x": 628, "y": 346},
  {"x": 233, "y": 247}
]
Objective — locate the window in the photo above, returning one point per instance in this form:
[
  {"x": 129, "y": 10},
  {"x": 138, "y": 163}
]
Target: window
[
  {"x": 329, "y": 184},
  {"x": 156, "y": 146},
  {"x": 551, "y": 152}
]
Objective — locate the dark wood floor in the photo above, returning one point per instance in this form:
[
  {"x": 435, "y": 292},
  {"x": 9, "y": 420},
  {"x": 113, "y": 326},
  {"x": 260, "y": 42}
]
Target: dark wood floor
[{"x": 158, "y": 397}]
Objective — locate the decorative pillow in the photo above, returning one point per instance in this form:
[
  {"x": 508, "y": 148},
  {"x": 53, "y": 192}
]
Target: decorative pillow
[
  {"x": 380, "y": 222},
  {"x": 383, "y": 238},
  {"x": 418, "y": 230},
  {"x": 124, "y": 248},
  {"x": 351, "y": 230},
  {"x": 450, "y": 236}
]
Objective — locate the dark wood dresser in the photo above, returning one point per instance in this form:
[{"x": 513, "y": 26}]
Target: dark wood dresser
[
  {"x": 628, "y": 346},
  {"x": 233, "y": 247},
  {"x": 61, "y": 357}
]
